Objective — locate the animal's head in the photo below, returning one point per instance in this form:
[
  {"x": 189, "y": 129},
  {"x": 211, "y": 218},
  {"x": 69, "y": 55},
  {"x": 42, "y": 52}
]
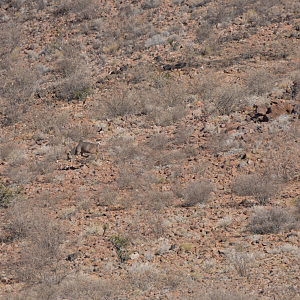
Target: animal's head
[
  {"x": 98, "y": 146},
  {"x": 69, "y": 155}
]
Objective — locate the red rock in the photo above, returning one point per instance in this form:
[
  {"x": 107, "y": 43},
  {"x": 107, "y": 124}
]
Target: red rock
[
  {"x": 231, "y": 126},
  {"x": 261, "y": 110},
  {"x": 279, "y": 107}
]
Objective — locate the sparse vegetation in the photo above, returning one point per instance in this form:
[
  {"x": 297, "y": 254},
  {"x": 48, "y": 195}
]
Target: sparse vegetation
[
  {"x": 197, "y": 192},
  {"x": 271, "y": 220},
  {"x": 262, "y": 188},
  {"x": 119, "y": 104},
  {"x": 241, "y": 261},
  {"x": 7, "y": 193},
  {"x": 195, "y": 105},
  {"x": 120, "y": 243}
]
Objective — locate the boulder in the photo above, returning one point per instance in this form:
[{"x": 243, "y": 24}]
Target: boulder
[
  {"x": 278, "y": 108},
  {"x": 261, "y": 110},
  {"x": 296, "y": 109}
]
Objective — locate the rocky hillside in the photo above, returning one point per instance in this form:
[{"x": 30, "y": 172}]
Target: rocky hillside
[{"x": 195, "y": 193}]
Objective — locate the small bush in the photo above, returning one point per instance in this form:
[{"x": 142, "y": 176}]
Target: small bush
[
  {"x": 183, "y": 134},
  {"x": 157, "y": 39},
  {"x": 19, "y": 83},
  {"x": 228, "y": 98},
  {"x": 241, "y": 261},
  {"x": 156, "y": 201},
  {"x": 125, "y": 150},
  {"x": 203, "y": 32},
  {"x": 262, "y": 188},
  {"x": 41, "y": 256},
  {"x": 120, "y": 104},
  {"x": 147, "y": 223},
  {"x": 120, "y": 243},
  {"x": 82, "y": 8},
  {"x": 157, "y": 142},
  {"x": 73, "y": 287},
  {"x": 128, "y": 180},
  {"x": 148, "y": 4},
  {"x": 7, "y": 193},
  {"x": 270, "y": 220},
  {"x": 107, "y": 197},
  {"x": 74, "y": 82},
  {"x": 167, "y": 117},
  {"x": 259, "y": 82},
  {"x": 197, "y": 192},
  {"x": 220, "y": 294},
  {"x": 6, "y": 150},
  {"x": 19, "y": 222}
]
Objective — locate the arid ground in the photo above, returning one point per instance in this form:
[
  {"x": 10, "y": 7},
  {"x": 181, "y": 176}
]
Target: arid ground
[{"x": 195, "y": 193}]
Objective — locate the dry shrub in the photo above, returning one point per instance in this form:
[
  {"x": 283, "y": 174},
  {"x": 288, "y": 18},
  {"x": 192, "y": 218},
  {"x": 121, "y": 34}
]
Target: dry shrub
[
  {"x": 89, "y": 288},
  {"x": 149, "y": 4},
  {"x": 221, "y": 98},
  {"x": 241, "y": 261},
  {"x": 197, "y": 192},
  {"x": 146, "y": 224},
  {"x": 40, "y": 252},
  {"x": 157, "y": 141},
  {"x": 205, "y": 87},
  {"x": 20, "y": 174},
  {"x": 228, "y": 98},
  {"x": 173, "y": 94},
  {"x": 156, "y": 201},
  {"x": 167, "y": 157},
  {"x": 224, "y": 11},
  {"x": 83, "y": 9},
  {"x": 19, "y": 222},
  {"x": 127, "y": 180},
  {"x": 259, "y": 82},
  {"x": 166, "y": 117},
  {"x": 138, "y": 73},
  {"x": 17, "y": 85},
  {"x": 77, "y": 133},
  {"x": 120, "y": 103},
  {"x": 261, "y": 187},
  {"x": 74, "y": 82},
  {"x": 107, "y": 197},
  {"x": 142, "y": 276},
  {"x": 271, "y": 220},
  {"x": 165, "y": 105},
  {"x": 297, "y": 207},
  {"x": 221, "y": 294},
  {"x": 203, "y": 32},
  {"x": 75, "y": 287},
  {"x": 147, "y": 276},
  {"x": 282, "y": 152},
  {"x": 7, "y": 149},
  {"x": 125, "y": 150},
  {"x": 11, "y": 37},
  {"x": 183, "y": 134},
  {"x": 155, "y": 225}
]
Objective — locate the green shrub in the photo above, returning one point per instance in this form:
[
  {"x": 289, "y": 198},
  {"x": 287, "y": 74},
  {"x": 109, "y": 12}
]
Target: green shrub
[
  {"x": 7, "y": 194},
  {"x": 120, "y": 243}
]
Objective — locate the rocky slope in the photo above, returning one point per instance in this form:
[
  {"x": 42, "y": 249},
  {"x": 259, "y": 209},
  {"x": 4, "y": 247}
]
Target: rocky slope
[{"x": 196, "y": 192}]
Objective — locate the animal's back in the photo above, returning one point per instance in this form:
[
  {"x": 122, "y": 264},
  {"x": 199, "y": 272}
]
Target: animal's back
[{"x": 85, "y": 147}]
